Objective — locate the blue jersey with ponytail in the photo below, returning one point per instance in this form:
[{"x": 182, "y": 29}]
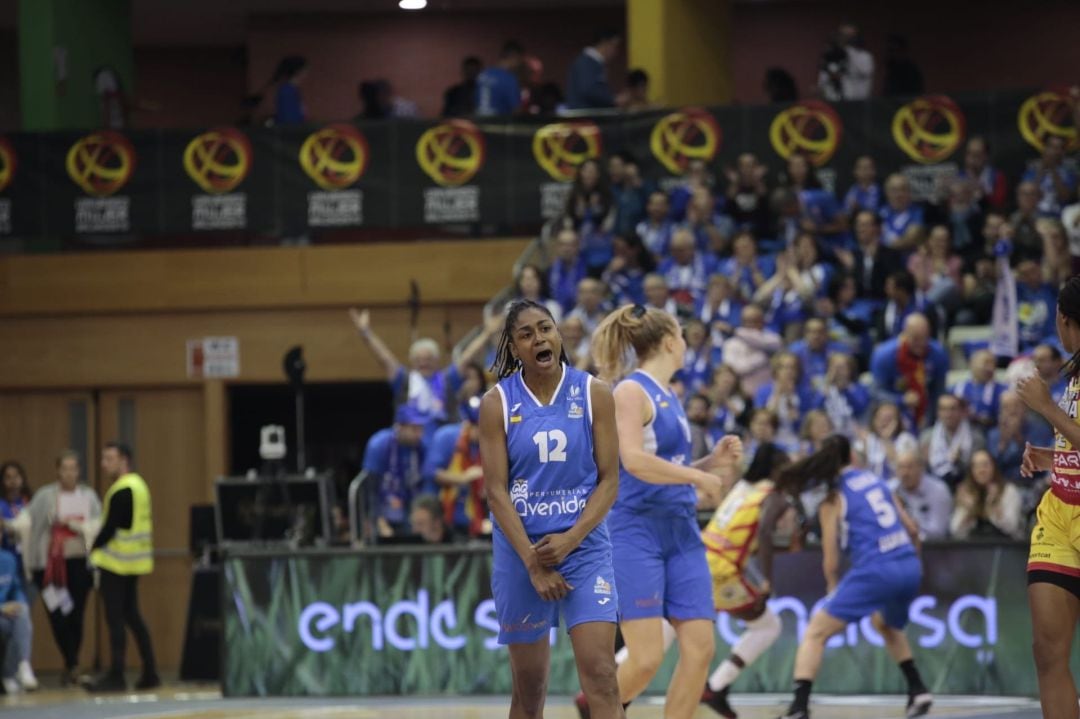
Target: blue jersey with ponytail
[{"x": 667, "y": 435}]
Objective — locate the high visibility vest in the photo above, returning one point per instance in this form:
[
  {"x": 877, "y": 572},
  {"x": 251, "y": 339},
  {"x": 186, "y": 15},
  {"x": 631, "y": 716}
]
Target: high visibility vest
[{"x": 130, "y": 551}]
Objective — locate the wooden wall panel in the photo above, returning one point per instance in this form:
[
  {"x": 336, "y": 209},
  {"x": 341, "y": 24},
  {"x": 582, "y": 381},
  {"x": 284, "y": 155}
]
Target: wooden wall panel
[
  {"x": 169, "y": 454},
  {"x": 149, "y": 350},
  {"x": 182, "y": 280},
  {"x": 34, "y": 427}
]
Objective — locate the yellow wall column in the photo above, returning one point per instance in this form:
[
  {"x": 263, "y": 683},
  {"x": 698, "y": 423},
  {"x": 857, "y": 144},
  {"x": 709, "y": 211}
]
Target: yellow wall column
[{"x": 685, "y": 46}]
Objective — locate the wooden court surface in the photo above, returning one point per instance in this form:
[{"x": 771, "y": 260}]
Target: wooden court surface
[{"x": 205, "y": 702}]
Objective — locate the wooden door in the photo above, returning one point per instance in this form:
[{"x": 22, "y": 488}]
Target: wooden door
[
  {"x": 165, "y": 431},
  {"x": 34, "y": 427}
]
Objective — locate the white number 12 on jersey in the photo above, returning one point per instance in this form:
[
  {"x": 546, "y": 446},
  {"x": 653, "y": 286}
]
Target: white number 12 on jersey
[{"x": 556, "y": 453}]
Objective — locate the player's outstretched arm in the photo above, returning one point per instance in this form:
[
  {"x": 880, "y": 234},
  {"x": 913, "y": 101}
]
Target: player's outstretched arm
[
  {"x": 1035, "y": 394},
  {"x": 772, "y": 510},
  {"x": 829, "y": 515},
  {"x": 632, "y": 412}
]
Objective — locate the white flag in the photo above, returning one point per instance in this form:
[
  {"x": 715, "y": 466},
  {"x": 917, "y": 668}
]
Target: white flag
[{"x": 1006, "y": 323}]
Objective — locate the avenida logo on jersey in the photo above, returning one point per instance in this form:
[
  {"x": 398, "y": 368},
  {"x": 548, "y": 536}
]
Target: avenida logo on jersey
[
  {"x": 519, "y": 496},
  {"x": 545, "y": 504}
]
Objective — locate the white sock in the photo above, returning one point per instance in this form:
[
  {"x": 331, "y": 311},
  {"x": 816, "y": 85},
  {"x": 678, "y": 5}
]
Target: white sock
[
  {"x": 669, "y": 637},
  {"x": 759, "y": 636},
  {"x": 724, "y": 676}
]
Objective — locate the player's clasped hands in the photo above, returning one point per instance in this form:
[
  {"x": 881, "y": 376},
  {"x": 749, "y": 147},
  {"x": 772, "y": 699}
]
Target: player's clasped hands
[
  {"x": 552, "y": 549},
  {"x": 550, "y": 552},
  {"x": 549, "y": 584}
]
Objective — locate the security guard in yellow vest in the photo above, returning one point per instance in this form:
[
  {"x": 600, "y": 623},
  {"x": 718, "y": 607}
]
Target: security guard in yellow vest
[{"x": 122, "y": 552}]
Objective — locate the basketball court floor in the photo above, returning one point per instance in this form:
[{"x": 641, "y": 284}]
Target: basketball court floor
[{"x": 205, "y": 702}]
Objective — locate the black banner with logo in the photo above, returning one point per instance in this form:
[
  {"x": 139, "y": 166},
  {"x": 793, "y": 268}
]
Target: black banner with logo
[
  {"x": 22, "y": 210},
  {"x": 336, "y": 175},
  {"x": 102, "y": 182},
  {"x": 216, "y": 180},
  {"x": 296, "y": 180}
]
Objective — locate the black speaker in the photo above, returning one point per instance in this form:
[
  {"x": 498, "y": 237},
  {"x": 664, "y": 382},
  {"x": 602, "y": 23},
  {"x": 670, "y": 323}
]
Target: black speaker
[{"x": 201, "y": 660}]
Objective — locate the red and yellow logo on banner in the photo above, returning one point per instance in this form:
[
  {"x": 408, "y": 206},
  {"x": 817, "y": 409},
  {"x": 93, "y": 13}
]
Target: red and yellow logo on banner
[
  {"x": 680, "y": 137},
  {"x": 561, "y": 146},
  {"x": 929, "y": 128},
  {"x": 335, "y": 157},
  {"x": 451, "y": 153},
  {"x": 1047, "y": 114},
  {"x": 8, "y": 163},
  {"x": 218, "y": 160},
  {"x": 101, "y": 162},
  {"x": 810, "y": 127}
]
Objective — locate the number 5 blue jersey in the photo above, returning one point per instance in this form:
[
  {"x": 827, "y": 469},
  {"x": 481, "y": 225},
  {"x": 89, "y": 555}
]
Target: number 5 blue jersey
[
  {"x": 552, "y": 469},
  {"x": 870, "y": 526}
]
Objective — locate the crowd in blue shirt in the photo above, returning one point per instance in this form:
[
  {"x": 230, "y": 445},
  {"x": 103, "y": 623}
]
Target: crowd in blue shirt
[
  {"x": 857, "y": 288},
  {"x": 808, "y": 309}
]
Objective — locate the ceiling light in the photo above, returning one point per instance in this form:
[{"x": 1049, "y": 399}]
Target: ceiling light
[{"x": 412, "y": 4}]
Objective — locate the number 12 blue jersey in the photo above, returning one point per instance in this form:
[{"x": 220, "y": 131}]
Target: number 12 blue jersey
[
  {"x": 552, "y": 468},
  {"x": 870, "y": 526}
]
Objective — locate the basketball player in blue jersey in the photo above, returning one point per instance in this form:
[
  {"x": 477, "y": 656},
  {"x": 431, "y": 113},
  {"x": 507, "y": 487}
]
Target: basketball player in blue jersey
[
  {"x": 660, "y": 566},
  {"x": 859, "y": 517},
  {"x": 551, "y": 470}
]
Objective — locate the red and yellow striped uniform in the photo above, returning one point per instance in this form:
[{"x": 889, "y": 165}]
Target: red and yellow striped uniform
[
  {"x": 731, "y": 538},
  {"x": 1055, "y": 540}
]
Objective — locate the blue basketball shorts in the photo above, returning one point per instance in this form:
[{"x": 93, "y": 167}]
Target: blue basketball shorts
[
  {"x": 525, "y": 618},
  {"x": 888, "y": 586},
  {"x": 660, "y": 567}
]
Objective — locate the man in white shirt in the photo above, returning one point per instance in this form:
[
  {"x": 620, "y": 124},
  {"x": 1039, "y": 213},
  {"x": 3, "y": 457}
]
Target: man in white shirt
[
  {"x": 750, "y": 349},
  {"x": 926, "y": 498},
  {"x": 950, "y": 442},
  {"x": 847, "y": 71}
]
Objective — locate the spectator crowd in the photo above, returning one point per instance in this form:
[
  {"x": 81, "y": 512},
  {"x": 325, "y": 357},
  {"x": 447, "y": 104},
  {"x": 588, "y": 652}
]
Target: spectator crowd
[
  {"x": 806, "y": 312},
  {"x": 515, "y": 84}
]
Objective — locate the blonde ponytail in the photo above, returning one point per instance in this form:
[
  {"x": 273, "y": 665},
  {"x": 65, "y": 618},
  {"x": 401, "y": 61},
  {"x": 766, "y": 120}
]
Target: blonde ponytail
[{"x": 631, "y": 327}]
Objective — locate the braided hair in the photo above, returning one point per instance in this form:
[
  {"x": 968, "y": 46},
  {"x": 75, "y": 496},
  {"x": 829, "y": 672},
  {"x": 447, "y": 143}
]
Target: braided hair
[
  {"x": 1068, "y": 305},
  {"x": 506, "y": 363}
]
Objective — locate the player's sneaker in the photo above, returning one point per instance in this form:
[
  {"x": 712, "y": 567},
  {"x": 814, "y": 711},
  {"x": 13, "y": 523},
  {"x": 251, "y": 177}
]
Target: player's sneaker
[
  {"x": 919, "y": 704},
  {"x": 793, "y": 713},
  {"x": 582, "y": 705},
  {"x": 717, "y": 701}
]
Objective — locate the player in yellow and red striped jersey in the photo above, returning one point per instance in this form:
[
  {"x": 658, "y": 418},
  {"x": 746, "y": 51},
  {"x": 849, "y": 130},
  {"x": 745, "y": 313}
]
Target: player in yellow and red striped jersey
[{"x": 1054, "y": 561}]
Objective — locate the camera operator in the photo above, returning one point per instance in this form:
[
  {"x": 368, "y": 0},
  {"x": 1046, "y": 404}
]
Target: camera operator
[{"x": 847, "y": 70}]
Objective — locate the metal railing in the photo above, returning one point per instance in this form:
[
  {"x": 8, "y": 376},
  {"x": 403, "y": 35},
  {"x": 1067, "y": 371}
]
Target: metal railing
[
  {"x": 357, "y": 509},
  {"x": 535, "y": 253}
]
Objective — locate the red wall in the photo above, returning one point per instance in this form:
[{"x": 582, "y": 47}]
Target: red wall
[
  {"x": 420, "y": 54},
  {"x": 959, "y": 45},
  {"x": 188, "y": 86}
]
